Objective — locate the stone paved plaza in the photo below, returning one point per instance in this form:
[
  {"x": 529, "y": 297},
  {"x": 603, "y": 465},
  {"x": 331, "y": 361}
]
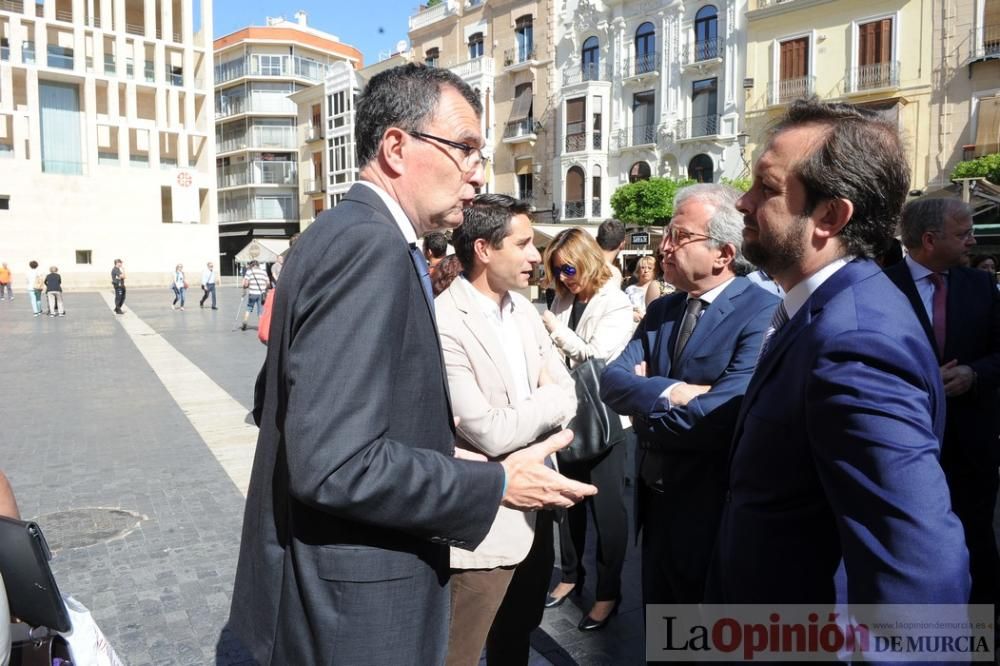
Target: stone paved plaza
[{"x": 126, "y": 439}]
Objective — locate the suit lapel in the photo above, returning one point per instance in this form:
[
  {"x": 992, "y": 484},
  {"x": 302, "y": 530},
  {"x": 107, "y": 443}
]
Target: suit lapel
[
  {"x": 529, "y": 343},
  {"x": 710, "y": 320},
  {"x": 901, "y": 277},
  {"x": 481, "y": 331},
  {"x": 666, "y": 336}
]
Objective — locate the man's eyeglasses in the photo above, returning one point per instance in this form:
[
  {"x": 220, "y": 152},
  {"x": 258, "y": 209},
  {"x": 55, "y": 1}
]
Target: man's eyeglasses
[
  {"x": 680, "y": 236},
  {"x": 569, "y": 270},
  {"x": 471, "y": 156}
]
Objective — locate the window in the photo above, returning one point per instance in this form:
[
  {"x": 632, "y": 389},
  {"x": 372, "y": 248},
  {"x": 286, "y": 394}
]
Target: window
[
  {"x": 525, "y": 37},
  {"x": 595, "y": 124},
  {"x": 4, "y": 202},
  {"x": 991, "y": 28},
  {"x": 643, "y": 118},
  {"x": 706, "y": 33},
  {"x": 793, "y": 69},
  {"x": 270, "y": 65},
  {"x": 701, "y": 169},
  {"x": 576, "y": 128},
  {"x": 639, "y": 171},
  {"x": 476, "y": 46},
  {"x": 317, "y": 117},
  {"x": 875, "y": 66},
  {"x": 431, "y": 57},
  {"x": 595, "y": 193},
  {"x": 591, "y": 61},
  {"x": 525, "y": 186},
  {"x": 338, "y": 107},
  {"x": 704, "y": 107},
  {"x": 339, "y": 164},
  {"x": 645, "y": 48},
  {"x": 83, "y": 256},
  {"x": 574, "y": 193}
]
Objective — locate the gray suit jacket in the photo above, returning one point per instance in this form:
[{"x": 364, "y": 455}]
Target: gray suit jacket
[
  {"x": 484, "y": 397},
  {"x": 355, "y": 495}
]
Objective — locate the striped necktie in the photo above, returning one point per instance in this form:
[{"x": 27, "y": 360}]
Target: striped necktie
[{"x": 778, "y": 319}]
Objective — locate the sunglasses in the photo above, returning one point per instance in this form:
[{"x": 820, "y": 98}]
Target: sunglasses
[{"x": 568, "y": 270}]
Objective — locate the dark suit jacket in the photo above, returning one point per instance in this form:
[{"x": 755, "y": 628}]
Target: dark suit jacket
[
  {"x": 354, "y": 496},
  {"x": 973, "y": 339},
  {"x": 687, "y": 446},
  {"x": 836, "y": 455}
]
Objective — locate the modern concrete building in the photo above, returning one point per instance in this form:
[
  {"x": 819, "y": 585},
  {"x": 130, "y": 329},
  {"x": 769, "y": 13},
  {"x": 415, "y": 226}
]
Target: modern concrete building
[
  {"x": 257, "y": 140},
  {"x": 645, "y": 89},
  {"x": 106, "y": 138},
  {"x": 504, "y": 49},
  {"x": 874, "y": 53}
]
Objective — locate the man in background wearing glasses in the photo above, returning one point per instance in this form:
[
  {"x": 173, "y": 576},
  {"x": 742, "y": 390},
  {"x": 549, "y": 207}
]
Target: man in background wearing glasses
[
  {"x": 356, "y": 492},
  {"x": 681, "y": 379},
  {"x": 960, "y": 312}
]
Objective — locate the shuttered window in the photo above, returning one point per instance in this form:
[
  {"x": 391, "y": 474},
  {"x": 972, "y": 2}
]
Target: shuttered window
[
  {"x": 988, "y": 126},
  {"x": 794, "y": 63},
  {"x": 875, "y": 42}
]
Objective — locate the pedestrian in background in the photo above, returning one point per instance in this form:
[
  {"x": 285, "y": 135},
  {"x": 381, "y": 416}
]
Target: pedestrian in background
[
  {"x": 53, "y": 288},
  {"x": 255, "y": 282},
  {"x": 208, "y": 285},
  {"x": 179, "y": 285},
  {"x": 5, "y": 282},
  {"x": 36, "y": 283},
  {"x": 118, "y": 282}
]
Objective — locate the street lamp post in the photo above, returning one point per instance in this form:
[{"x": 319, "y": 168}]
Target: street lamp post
[{"x": 742, "y": 139}]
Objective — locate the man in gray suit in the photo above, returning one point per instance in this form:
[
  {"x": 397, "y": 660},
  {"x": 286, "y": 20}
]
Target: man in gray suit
[
  {"x": 356, "y": 492},
  {"x": 510, "y": 388}
]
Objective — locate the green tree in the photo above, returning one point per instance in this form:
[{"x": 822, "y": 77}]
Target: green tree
[
  {"x": 987, "y": 166},
  {"x": 432, "y": 3},
  {"x": 741, "y": 184},
  {"x": 647, "y": 202}
]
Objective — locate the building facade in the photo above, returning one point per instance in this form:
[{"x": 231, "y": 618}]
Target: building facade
[
  {"x": 106, "y": 138},
  {"x": 873, "y": 53},
  {"x": 645, "y": 89},
  {"x": 257, "y": 129}
]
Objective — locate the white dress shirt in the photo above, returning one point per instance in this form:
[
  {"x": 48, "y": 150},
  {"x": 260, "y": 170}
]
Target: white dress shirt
[
  {"x": 501, "y": 320},
  {"x": 409, "y": 233},
  {"x": 922, "y": 279}
]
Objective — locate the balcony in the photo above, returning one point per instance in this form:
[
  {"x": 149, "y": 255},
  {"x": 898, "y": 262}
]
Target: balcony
[
  {"x": 174, "y": 76},
  {"x": 873, "y": 77},
  {"x": 520, "y": 130},
  {"x": 576, "y": 137},
  {"x": 109, "y": 65},
  {"x": 697, "y": 127},
  {"x": 704, "y": 52},
  {"x": 259, "y": 138},
  {"x": 314, "y": 133},
  {"x": 788, "y": 90},
  {"x": 149, "y": 72},
  {"x": 313, "y": 186},
  {"x": 642, "y": 66},
  {"x": 639, "y": 135},
  {"x": 589, "y": 72},
  {"x": 59, "y": 58},
  {"x": 765, "y": 4},
  {"x": 28, "y": 53},
  {"x": 133, "y": 29},
  {"x": 287, "y": 67},
  {"x": 575, "y": 210},
  {"x": 482, "y": 66},
  {"x": 16, "y": 6},
  {"x": 257, "y": 173},
  {"x": 595, "y": 207},
  {"x": 65, "y": 168},
  {"x": 987, "y": 45},
  {"x": 429, "y": 15},
  {"x": 519, "y": 58}
]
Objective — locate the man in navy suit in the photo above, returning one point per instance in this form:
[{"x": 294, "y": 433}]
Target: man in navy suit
[
  {"x": 681, "y": 379},
  {"x": 959, "y": 310},
  {"x": 836, "y": 451}
]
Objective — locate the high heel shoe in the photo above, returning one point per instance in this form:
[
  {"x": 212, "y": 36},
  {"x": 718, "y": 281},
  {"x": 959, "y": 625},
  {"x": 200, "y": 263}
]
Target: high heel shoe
[
  {"x": 590, "y": 624},
  {"x": 556, "y": 602}
]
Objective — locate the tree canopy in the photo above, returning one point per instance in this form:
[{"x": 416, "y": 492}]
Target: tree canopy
[
  {"x": 987, "y": 166},
  {"x": 647, "y": 202}
]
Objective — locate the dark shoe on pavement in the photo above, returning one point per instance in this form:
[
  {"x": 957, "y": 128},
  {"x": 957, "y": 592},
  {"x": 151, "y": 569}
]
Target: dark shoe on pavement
[
  {"x": 243, "y": 326},
  {"x": 590, "y": 624}
]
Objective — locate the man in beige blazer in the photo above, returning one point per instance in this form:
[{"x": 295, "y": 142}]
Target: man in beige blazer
[{"x": 509, "y": 388}]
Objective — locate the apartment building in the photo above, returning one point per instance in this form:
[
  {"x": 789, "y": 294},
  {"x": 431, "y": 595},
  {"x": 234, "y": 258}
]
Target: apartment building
[
  {"x": 105, "y": 138},
  {"x": 876, "y": 54},
  {"x": 257, "y": 130},
  {"x": 645, "y": 89},
  {"x": 504, "y": 50},
  {"x": 965, "y": 119}
]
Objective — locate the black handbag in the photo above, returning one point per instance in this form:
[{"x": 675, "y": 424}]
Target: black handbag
[
  {"x": 596, "y": 428},
  {"x": 31, "y": 589}
]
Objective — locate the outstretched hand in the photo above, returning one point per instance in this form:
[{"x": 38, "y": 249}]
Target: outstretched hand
[{"x": 532, "y": 486}]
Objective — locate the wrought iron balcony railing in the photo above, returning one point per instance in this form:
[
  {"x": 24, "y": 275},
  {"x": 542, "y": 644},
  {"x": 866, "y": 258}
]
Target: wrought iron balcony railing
[
  {"x": 641, "y": 64},
  {"x": 874, "y": 76},
  {"x": 696, "y": 126},
  {"x": 786, "y": 90}
]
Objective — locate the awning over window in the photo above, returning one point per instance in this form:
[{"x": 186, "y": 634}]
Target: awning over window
[
  {"x": 522, "y": 103},
  {"x": 988, "y": 126}
]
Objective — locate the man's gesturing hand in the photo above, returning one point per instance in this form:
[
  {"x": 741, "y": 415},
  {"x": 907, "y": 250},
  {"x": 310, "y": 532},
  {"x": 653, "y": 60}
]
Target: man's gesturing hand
[{"x": 532, "y": 486}]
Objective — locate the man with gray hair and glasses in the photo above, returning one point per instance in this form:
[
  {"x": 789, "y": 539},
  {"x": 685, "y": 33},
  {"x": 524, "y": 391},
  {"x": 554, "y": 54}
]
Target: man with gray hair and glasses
[
  {"x": 357, "y": 491},
  {"x": 681, "y": 379},
  {"x": 959, "y": 311}
]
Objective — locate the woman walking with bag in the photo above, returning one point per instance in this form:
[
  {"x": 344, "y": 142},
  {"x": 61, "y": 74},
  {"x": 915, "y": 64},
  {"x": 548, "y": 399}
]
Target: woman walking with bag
[
  {"x": 590, "y": 318},
  {"x": 178, "y": 285}
]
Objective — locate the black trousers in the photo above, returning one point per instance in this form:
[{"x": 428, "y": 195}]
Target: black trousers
[
  {"x": 973, "y": 499},
  {"x": 119, "y": 297},
  {"x": 607, "y": 472},
  {"x": 521, "y": 611}
]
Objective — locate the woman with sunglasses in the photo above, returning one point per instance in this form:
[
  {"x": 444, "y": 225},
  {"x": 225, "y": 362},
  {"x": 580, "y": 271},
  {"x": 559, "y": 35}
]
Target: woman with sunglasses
[{"x": 590, "y": 318}]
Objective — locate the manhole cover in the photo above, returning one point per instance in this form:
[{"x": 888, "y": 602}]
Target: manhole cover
[{"x": 78, "y": 528}]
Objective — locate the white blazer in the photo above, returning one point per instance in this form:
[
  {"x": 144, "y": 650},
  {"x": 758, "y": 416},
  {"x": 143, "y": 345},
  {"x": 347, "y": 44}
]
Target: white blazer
[{"x": 602, "y": 332}]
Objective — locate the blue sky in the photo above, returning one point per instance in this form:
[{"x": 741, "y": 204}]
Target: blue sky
[{"x": 355, "y": 22}]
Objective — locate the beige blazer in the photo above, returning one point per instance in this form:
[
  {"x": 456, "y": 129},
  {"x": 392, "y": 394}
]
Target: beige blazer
[
  {"x": 602, "y": 332},
  {"x": 483, "y": 396}
]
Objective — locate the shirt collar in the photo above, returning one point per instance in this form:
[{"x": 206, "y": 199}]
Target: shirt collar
[
  {"x": 917, "y": 270},
  {"x": 395, "y": 210},
  {"x": 800, "y": 293},
  {"x": 709, "y": 296},
  {"x": 486, "y": 304}
]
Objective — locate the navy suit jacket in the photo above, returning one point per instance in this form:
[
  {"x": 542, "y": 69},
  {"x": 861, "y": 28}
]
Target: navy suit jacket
[
  {"x": 355, "y": 495},
  {"x": 973, "y": 339},
  {"x": 836, "y": 456},
  {"x": 687, "y": 446}
]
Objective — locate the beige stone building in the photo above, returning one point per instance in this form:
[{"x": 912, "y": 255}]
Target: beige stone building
[{"x": 504, "y": 49}]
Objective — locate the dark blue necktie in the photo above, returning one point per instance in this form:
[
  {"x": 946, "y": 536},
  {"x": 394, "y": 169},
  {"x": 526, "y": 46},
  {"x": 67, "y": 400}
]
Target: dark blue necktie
[{"x": 422, "y": 269}]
